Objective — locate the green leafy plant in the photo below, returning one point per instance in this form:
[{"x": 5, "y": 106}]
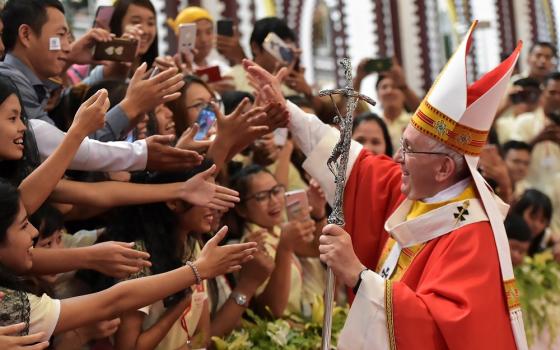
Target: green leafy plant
[
  {"x": 538, "y": 280},
  {"x": 290, "y": 333}
]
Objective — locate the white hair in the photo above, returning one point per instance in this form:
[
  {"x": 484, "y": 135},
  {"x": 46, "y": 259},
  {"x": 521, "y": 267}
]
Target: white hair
[{"x": 458, "y": 158}]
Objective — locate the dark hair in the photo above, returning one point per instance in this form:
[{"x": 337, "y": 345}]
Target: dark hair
[
  {"x": 30, "y": 12},
  {"x": 154, "y": 224},
  {"x": 372, "y": 117},
  {"x": 515, "y": 145},
  {"x": 115, "y": 88},
  {"x": 268, "y": 25},
  {"x": 70, "y": 101},
  {"x": 552, "y": 76},
  {"x": 239, "y": 181},
  {"x": 47, "y": 219},
  {"x": 380, "y": 78},
  {"x": 179, "y": 106},
  {"x": 16, "y": 170},
  {"x": 528, "y": 83},
  {"x": 232, "y": 99},
  {"x": 544, "y": 44},
  {"x": 300, "y": 101},
  {"x": 121, "y": 7},
  {"x": 517, "y": 228},
  {"x": 534, "y": 200},
  {"x": 9, "y": 207}
]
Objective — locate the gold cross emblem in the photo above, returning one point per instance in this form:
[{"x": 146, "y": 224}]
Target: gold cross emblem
[{"x": 461, "y": 212}]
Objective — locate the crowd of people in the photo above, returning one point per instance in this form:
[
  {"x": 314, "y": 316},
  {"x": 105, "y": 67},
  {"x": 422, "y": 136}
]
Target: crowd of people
[{"x": 143, "y": 206}]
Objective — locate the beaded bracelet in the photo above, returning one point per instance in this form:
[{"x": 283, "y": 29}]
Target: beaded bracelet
[{"x": 195, "y": 271}]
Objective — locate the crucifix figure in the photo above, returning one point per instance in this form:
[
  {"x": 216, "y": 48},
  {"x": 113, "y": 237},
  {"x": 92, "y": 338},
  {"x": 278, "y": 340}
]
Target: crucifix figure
[{"x": 337, "y": 164}]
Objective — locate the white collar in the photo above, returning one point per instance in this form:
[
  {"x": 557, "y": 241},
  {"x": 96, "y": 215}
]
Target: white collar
[{"x": 450, "y": 192}]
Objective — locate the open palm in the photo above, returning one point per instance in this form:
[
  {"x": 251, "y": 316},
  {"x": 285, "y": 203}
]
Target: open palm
[{"x": 201, "y": 190}]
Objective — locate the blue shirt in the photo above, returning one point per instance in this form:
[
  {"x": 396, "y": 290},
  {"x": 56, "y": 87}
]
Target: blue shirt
[{"x": 35, "y": 94}]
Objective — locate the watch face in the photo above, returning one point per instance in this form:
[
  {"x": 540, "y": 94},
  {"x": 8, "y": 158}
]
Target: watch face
[{"x": 241, "y": 299}]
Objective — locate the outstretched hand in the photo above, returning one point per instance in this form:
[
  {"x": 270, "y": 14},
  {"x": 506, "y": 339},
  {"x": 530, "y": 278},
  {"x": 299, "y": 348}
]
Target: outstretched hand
[
  {"x": 164, "y": 157},
  {"x": 215, "y": 260},
  {"x": 144, "y": 95},
  {"x": 201, "y": 190},
  {"x": 91, "y": 114},
  {"x": 241, "y": 124},
  {"x": 117, "y": 259},
  {"x": 266, "y": 84},
  {"x": 187, "y": 141},
  {"x": 81, "y": 51}
]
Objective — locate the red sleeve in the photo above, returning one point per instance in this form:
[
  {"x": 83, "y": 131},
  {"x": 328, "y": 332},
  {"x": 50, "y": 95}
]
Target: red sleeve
[
  {"x": 452, "y": 296},
  {"x": 371, "y": 195}
]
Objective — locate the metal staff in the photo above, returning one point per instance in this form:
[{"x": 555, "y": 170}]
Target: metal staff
[{"x": 337, "y": 164}]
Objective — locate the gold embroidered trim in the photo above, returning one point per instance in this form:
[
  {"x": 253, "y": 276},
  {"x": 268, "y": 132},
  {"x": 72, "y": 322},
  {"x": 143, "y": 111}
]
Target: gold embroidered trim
[
  {"x": 429, "y": 120},
  {"x": 389, "y": 314},
  {"x": 512, "y": 294}
]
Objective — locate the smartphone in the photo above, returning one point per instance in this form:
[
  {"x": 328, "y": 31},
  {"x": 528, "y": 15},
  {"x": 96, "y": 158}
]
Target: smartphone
[
  {"x": 378, "y": 65},
  {"x": 209, "y": 74},
  {"x": 297, "y": 205},
  {"x": 278, "y": 48},
  {"x": 280, "y": 136},
  {"x": 206, "y": 118},
  {"x": 225, "y": 27},
  {"x": 103, "y": 17},
  {"x": 187, "y": 37},
  {"x": 118, "y": 49}
]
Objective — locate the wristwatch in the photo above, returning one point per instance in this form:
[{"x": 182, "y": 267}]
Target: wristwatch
[
  {"x": 240, "y": 299},
  {"x": 357, "y": 286}
]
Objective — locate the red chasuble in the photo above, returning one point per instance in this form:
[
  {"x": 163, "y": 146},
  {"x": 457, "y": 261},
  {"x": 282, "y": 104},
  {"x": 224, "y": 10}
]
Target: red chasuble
[{"x": 451, "y": 295}]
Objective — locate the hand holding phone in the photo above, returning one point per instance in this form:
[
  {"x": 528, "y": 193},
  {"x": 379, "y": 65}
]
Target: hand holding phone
[
  {"x": 376, "y": 65},
  {"x": 118, "y": 49},
  {"x": 297, "y": 205},
  {"x": 209, "y": 74},
  {"x": 187, "y": 37},
  {"x": 206, "y": 119},
  {"x": 225, "y": 27},
  {"x": 278, "y": 48}
]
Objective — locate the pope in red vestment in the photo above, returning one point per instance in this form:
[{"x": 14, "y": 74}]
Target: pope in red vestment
[
  {"x": 424, "y": 245},
  {"x": 450, "y": 296}
]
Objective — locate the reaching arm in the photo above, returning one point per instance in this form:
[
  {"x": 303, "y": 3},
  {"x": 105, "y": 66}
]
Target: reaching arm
[
  {"x": 128, "y": 295},
  {"x": 277, "y": 291},
  {"x": 92, "y": 155},
  {"x": 235, "y": 131},
  {"x": 115, "y": 259},
  {"x": 198, "y": 190},
  {"x": 36, "y": 187},
  {"x": 133, "y": 294},
  {"x": 228, "y": 317},
  {"x": 109, "y": 194},
  {"x": 282, "y": 173}
]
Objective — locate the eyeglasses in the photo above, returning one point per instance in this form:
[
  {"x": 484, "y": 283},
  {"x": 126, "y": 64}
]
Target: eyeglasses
[
  {"x": 405, "y": 149},
  {"x": 265, "y": 196},
  {"x": 203, "y": 105}
]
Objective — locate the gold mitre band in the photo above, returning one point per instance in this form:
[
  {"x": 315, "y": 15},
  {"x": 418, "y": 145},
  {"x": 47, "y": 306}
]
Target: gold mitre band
[{"x": 465, "y": 140}]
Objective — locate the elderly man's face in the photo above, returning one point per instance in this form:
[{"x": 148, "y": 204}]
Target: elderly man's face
[{"x": 418, "y": 169}]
